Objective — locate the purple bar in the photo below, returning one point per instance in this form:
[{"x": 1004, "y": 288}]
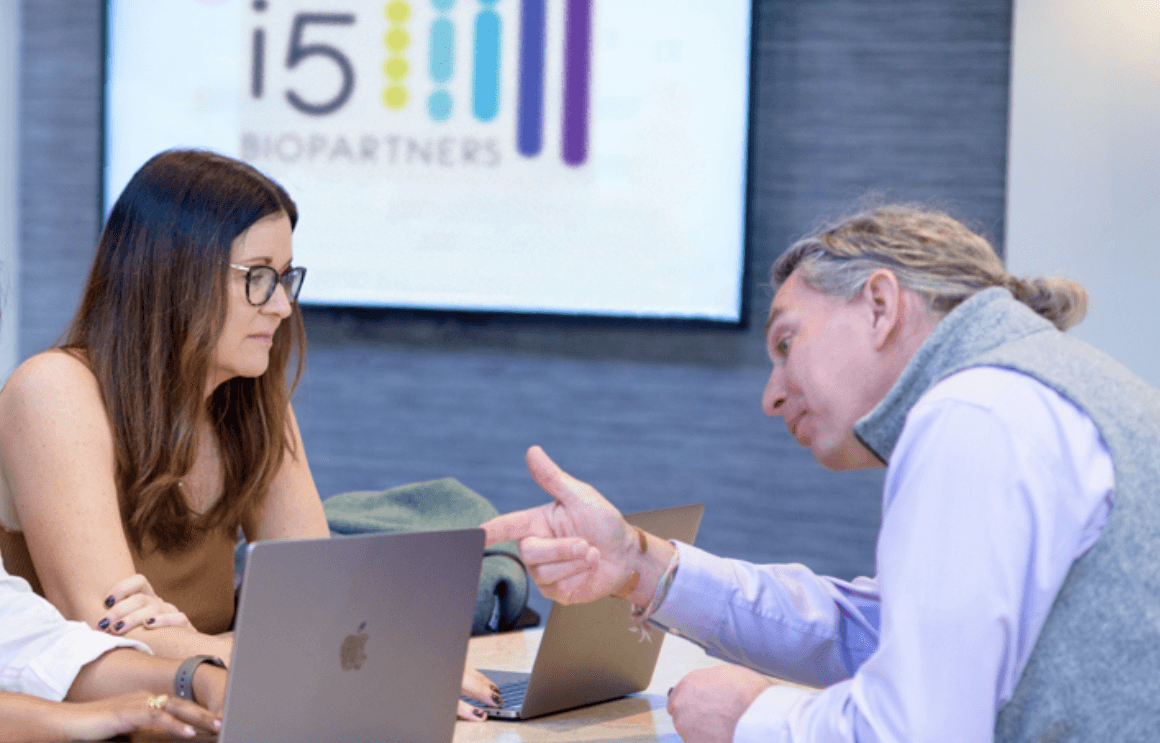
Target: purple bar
[
  {"x": 577, "y": 69},
  {"x": 530, "y": 111}
]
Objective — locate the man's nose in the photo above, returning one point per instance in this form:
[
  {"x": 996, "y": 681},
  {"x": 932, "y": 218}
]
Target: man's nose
[{"x": 773, "y": 399}]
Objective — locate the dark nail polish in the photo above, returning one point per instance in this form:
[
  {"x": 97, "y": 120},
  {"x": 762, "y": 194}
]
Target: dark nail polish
[
  {"x": 150, "y": 620},
  {"x": 103, "y": 624},
  {"x": 117, "y": 627},
  {"x": 497, "y": 700},
  {"x": 109, "y": 602},
  {"x": 479, "y": 713}
]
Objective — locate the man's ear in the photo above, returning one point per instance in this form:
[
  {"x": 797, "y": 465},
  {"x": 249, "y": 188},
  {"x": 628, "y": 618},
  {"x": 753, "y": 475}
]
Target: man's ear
[{"x": 884, "y": 296}]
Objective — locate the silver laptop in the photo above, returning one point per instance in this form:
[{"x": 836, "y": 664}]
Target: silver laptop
[
  {"x": 589, "y": 652},
  {"x": 354, "y": 639}
]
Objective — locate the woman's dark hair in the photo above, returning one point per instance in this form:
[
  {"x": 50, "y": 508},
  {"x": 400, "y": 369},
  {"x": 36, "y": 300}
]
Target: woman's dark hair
[{"x": 149, "y": 320}]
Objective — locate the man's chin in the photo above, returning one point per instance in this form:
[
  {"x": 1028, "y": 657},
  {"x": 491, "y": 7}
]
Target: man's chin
[{"x": 849, "y": 455}]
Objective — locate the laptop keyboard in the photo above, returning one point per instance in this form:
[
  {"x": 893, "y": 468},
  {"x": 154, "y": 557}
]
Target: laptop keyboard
[{"x": 513, "y": 694}]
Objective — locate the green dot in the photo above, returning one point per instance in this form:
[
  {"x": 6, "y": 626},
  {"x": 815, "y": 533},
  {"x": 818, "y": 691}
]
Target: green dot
[
  {"x": 398, "y": 39},
  {"x": 395, "y": 97},
  {"x": 396, "y": 68},
  {"x": 398, "y": 10}
]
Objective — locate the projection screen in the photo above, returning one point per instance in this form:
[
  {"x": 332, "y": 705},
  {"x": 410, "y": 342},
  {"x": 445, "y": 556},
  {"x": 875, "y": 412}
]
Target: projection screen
[{"x": 574, "y": 156}]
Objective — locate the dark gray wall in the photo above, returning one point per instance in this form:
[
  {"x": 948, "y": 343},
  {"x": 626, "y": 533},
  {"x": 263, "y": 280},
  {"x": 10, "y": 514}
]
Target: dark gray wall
[{"x": 907, "y": 98}]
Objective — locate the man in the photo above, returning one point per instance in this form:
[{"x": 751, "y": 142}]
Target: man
[{"x": 1012, "y": 601}]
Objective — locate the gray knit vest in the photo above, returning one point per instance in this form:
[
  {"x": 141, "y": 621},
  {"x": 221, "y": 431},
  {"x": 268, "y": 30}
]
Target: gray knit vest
[{"x": 1094, "y": 674}]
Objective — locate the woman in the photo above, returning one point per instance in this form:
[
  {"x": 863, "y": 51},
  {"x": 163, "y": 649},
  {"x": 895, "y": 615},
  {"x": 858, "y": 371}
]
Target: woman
[{"x": 162, "y": 425}]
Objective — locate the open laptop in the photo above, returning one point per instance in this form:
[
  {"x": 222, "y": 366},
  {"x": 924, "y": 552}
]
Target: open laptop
[
  {"x": 589, "y": 652},
  {"x": 354, "y": 639}
]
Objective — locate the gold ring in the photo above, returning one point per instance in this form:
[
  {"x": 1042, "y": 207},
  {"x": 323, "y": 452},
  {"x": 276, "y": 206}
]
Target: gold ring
[{"x": 158, "y": 702}]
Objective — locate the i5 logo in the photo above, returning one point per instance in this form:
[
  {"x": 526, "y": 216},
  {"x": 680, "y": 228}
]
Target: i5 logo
[{"x": 419, "y": 44}]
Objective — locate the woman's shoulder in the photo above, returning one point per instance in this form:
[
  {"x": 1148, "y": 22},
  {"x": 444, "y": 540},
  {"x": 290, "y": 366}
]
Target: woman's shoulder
[
  {"x": 48, "y": 379},
  {"x": 49, "y": 369},
  {"x": 51, "y": 417}
]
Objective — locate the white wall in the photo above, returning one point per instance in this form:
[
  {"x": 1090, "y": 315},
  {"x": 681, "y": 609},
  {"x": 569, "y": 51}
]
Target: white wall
[
  {"x": 9, "y": 142},
  {"x": 1084, "y": 164}
]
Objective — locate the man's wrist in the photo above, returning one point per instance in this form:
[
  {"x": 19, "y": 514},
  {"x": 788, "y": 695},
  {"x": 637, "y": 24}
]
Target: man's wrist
[
  {"x": 630, "y": 583},
  {"x": 650, "y": 565}
]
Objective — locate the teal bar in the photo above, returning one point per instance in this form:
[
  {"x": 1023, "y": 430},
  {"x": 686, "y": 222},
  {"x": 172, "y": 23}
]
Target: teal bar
[
  {"x": 485, "y": 79},
  {"x": 442, "y": 50}
]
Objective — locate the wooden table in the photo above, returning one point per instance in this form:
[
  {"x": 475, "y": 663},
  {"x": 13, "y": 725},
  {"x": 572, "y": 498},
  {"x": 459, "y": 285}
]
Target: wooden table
[{"x": 639, "y": 717}]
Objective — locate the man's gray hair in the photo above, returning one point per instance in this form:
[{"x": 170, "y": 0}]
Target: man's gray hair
[{"x": 931, "y": 253}]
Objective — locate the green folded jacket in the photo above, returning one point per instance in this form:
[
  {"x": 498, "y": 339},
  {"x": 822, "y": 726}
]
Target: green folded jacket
[{"x": 431, "y": 506}]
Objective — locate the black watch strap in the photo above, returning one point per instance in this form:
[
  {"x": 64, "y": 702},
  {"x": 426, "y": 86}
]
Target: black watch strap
[{"x": 183, "y": 681}]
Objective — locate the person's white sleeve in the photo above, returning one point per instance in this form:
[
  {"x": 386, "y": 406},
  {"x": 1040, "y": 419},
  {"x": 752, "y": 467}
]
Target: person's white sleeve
[
  {"x": 41, "y": 652},
  {"x": 783, "y": 620},
  {"x": 766, "y": 719}
]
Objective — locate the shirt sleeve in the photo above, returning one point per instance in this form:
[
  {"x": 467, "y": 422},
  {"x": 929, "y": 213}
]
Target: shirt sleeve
[
  {"x": 41, "y": 652},
  {"x": 781, "y": 619}
]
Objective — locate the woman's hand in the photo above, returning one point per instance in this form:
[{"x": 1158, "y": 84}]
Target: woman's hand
[
  {"x": 122, "y": 714},
  {"x": 132, "y": 602},
  {"x": 209, "y": 687},
  {"x": 478, "y": 686}
]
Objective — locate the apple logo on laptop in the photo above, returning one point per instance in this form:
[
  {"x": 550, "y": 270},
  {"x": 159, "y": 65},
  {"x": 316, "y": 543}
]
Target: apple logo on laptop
[{"x": 353, "y": 653}]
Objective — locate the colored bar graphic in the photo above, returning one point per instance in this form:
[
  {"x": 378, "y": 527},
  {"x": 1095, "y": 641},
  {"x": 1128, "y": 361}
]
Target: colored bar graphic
[
  {"x": 258, "y": 63},
  {"x": 442, "y": 50},
  {"x": 441, "y": 62},
  {"x": 485, "y": 80},
  {"x": 396, "y": 67},
  {"x": 530, "y": 110},
  {"x": 577, "y": 68}
]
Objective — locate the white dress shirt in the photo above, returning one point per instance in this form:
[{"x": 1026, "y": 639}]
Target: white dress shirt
[
  {"x": 996, "y": 486},
  {"x": 41, "y": 652}
]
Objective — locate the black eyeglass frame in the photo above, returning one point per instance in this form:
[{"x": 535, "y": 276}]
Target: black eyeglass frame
[{"x": 291, "y": 280}]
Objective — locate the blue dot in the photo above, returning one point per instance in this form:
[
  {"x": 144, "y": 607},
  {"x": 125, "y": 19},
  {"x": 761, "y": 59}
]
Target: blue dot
[
  {"x": 443, "y": 5},
  {"x": 439, "y": 105}
]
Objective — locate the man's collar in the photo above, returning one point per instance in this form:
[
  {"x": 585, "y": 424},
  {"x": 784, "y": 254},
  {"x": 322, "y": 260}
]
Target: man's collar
[{"x": 986, "y": 320}]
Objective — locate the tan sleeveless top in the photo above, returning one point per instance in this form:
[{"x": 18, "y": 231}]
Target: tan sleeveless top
[{"x": 198, "y": 581}]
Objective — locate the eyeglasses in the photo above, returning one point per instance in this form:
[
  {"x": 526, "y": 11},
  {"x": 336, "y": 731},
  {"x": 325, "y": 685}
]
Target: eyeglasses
[{"x": 262, "y": 280}]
